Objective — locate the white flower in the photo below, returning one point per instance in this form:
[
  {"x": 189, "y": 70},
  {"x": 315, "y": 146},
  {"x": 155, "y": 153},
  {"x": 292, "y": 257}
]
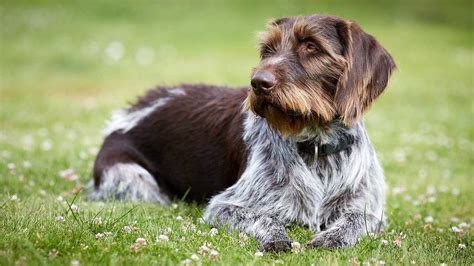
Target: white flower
[
  {"x": 413, "y": 262},
  {"x": 11, "y": 166},
  {"x": 52, "y": 254},
  {"x": 462, "y": 246},
  {"x": 27, "y": 164},
  {"x": 443, "y": 264},
  {"x": 204, "y": 249},
  {"x": 60, "y": 198},
  {"x": 162, "y": 238},
  {"x": 455, "y": 192},
  {"x": 431, "y": 190},
  {"x": 114, "y": 51},
  {"x": 464, "y": 225},
  {"x": 75, "y": 263},
  {"x": 145, "y": 56},
  {"x": 384, "y": 242},
  {"x": 74, "y": 208},
  {"x": 428, "y": 219},
  {"x": 179, "y": 218},
  {"x": 296, "y": 247},
  {"x": 258, "y": 254},
  {"x": 134, "y": 248},
  {"x": 174, "y": 205},
  {"x": 68, "y": 174},
  {"x": 99, "y": 235},
  {"x": 186, "y": 262},
  {"x": 14, "y": 197},
  {"x": 398, "y": 190},
  {"x": 456, "y": 230},
  {"x": 213, "y": 232},
  {"x": 454, "y": 219},
  {"x": 46, "y": 145},
  {"x": 141, "y": 241},
  {"x": 195, "y": 257},
  {"x": 59, "y": 219},
  {"x": 380, "y": 262},
  {"x": 97, "y": 221},
  {"x": 201, "y": 221},
  {"x": 214, "y": 255},
  {"x": 128, "y": 229},
  {"x": 398, "y": 242}
]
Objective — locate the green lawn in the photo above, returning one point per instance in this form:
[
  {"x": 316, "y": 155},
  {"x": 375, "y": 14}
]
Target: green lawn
[{"x": 65, "y": 65}]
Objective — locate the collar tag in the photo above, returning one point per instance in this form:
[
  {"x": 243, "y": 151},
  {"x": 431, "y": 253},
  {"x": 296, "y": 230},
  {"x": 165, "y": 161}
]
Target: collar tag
[{"x": 316, "y": 148}]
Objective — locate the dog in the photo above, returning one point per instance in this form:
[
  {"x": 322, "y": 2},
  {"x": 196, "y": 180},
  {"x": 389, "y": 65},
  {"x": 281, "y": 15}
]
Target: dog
[{"x": 289, "y": 149}]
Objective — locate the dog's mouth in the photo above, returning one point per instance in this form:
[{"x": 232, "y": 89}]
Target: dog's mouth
[
  {"x": 264, "y": 107},
  {"x": 284, "y": 119}
]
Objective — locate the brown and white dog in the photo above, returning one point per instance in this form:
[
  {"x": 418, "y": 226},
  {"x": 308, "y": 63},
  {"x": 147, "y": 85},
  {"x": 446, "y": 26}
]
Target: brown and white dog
[{"x": 291, "y": 149}]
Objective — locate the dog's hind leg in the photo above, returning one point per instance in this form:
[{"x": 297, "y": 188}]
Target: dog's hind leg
[{"x": 120, "y": 173}]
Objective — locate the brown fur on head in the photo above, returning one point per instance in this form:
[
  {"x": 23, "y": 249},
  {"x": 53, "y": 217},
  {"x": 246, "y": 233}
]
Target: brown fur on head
[{"x": 325, "y": 68}]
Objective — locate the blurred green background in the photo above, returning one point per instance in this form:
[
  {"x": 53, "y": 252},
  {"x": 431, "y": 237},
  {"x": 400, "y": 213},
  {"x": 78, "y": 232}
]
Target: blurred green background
[{"x": 65, "y": 65}]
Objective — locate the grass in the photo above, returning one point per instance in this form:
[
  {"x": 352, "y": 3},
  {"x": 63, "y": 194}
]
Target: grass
[{"x": 57, "y": 87}]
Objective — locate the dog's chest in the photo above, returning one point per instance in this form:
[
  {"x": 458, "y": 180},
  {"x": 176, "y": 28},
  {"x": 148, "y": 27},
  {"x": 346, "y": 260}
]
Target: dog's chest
[{"x": 309, "y": 187}]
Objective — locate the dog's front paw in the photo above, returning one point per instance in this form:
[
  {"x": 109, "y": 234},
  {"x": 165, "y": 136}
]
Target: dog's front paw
[
  {"x": 331, "y": 240},
  {"x": 276, "y": 245}
]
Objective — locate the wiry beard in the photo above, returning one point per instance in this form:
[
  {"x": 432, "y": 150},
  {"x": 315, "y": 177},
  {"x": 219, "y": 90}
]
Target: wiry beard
[{"x": 289, "y": 110}]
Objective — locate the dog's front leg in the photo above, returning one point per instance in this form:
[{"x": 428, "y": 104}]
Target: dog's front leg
[
  {"x": 270, "y": 234},
  {"x": 346, "y": 230}
]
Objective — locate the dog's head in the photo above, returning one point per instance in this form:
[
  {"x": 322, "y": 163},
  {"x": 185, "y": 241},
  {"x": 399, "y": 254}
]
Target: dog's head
[{"x": 316, "y": 69}]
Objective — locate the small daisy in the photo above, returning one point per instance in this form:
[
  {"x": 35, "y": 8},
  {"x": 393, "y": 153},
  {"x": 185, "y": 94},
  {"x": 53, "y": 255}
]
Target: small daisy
[
  {"x": 97, "y": 221},
  {"x": 128, "y": 229},
  {"x": 464, "y": 225},
  {"x": 456, "y": 230},
  {"x": 296, "y": 247},
  {"x": 179, "y": 218},
  {"x": 11, "y": 166},
  {"x": 74, "y": 208},
  {"x": 428, "y": 219},
  {"x": 384, "y": 242},
  {"x": 14, "y": 198},
  {"x": 462, "y": 246},
  {"x": 195, "y": 257},
  {"x": 75, "y": 263},
  {"x": 134, "y": 248},
  {"x": 214, "y": 255},
  {"x": 213, "y": 232},
  {"x": 186, "y": 262},
  {"x": 398, "y": 242},
  {"x": 162, "y": 238},
  {"x": 26, "y": 164},
  {"x": 258, "y": 254},
  {"x": 204, "y": 249},
  {"x": 52, "y": 254},
  {"x": 68, "y": 174},
  {"x": 99, "y": 235},
  {"x": 141, "y": 241},
  {"x": 59, "y": 219}
]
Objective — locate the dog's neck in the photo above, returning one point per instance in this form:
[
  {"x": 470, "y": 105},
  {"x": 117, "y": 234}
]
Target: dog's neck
[{"x": 320, "y": 142}]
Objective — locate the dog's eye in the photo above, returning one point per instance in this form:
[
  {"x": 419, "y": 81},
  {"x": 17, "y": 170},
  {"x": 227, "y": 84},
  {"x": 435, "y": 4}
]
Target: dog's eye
[{"x": 311, "y": 47}]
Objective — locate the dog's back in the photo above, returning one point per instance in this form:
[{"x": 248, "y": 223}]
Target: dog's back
[{"x": 145, "y": 155}]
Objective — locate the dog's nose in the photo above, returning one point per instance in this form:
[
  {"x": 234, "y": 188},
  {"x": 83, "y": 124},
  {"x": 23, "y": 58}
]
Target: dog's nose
[{"x": 263, "y": 81}]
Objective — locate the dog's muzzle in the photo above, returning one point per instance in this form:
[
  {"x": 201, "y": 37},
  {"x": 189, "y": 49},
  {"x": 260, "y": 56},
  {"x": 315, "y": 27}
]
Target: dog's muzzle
[{"x": 263, "y": 82}]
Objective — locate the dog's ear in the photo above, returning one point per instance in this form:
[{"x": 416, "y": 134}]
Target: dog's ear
[{"x": 368, "y": 68}]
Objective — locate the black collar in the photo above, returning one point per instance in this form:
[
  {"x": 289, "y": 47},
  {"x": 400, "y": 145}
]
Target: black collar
[{"x": 321, "y": 150}]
